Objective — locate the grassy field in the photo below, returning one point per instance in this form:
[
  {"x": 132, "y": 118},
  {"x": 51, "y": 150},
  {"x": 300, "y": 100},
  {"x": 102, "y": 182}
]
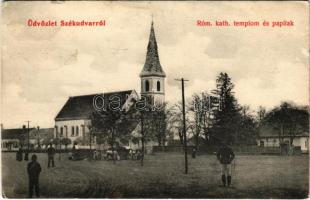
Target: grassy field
[{"x": 162, "y": 176}]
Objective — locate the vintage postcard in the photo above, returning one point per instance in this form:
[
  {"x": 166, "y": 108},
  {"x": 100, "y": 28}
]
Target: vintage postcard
[{"x": 155, "y": 99}]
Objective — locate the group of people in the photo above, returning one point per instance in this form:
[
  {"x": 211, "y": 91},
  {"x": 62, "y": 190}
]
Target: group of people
[
  {"x": 135, "y": 154},
  {"x": 108, "y": 155},
  {"x": 225, "y": 155},
  {"x": 105, "y": 155}
]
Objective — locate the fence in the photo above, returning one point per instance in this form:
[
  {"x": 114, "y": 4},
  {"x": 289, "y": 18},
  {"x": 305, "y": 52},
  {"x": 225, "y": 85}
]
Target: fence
[
  {"x": 213, "y": 149},
  {"x": 171, "y": 148},
  {"x": 39, "y": 150}
]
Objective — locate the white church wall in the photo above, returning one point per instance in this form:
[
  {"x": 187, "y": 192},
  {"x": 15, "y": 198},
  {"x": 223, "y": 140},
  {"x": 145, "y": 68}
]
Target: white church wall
[{"x": 80, "y": 129}]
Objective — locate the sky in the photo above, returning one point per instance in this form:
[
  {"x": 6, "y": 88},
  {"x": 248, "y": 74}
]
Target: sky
[{"x": 41, "y": 67}]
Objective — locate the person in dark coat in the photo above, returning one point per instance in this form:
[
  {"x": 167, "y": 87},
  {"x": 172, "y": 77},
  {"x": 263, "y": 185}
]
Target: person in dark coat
[
  {"x": 19, "y": 154},
  {"x": 51, "y": 153},
  {"x": 226, "y": 155},
  {"x": 194, "y": 152},
  {"x": 26, "y": 158},
  {"x": 34, "y": 170}
]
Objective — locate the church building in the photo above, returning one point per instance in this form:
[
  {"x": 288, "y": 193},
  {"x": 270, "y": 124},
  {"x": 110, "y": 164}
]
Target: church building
[{"x": 73, "y": 120}]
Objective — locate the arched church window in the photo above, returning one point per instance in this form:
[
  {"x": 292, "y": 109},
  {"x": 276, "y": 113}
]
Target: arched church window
[
  {"x": 158, "y": 86},
  {"x": 61, "y": 131},
  {"x": 147, "y": 86},
  {"x": 72, "y": 131},
  {"x": 77, "y": 131}
]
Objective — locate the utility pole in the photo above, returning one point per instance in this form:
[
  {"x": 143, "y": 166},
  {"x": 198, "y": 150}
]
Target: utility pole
[
  {"x": 59, "y": 147},
  {"x": 58, "y": 137},
  {"x": 38, "y": 137},
  {"x": 28, "y": 141},
  {"x": 28, "y": 137},
  {"x": 90, "y": 135},
  {"x": 184, "y": 124},
  {"x": 143, "y": 138}
]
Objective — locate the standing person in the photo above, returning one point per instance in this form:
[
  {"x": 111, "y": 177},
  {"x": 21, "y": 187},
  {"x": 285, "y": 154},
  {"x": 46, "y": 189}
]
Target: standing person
[
  {"x": 26, "y": 158},
  {"x": 225, "y": 155},
  {"x": 34, "y": 170},
  {"x": 19, "y": 155},
  {"x": 194, "y": 152},
  {"x": 50, "y": 153}
]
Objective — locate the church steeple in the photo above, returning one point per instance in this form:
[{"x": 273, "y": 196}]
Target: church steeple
[
  {"x": 152, "y": 65},
  {"x": 152, "y": 75}
]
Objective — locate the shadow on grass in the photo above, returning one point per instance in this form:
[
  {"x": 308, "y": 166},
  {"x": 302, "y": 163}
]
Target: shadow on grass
[{"x": 161, "y": 189}]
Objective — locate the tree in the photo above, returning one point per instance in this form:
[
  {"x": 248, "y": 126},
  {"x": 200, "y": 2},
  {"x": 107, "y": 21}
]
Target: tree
[
  {"x": 101, "y": 139},
  {"x": 135, "y": 140},
  {"x": 66, "y": 142},
  {"x": 247, "y": 130},
  {"x": 261, "y": 113},
  {"x": 47, "y": 141},
  {"x": 169, "y": 125},
  {"x": 79, "y": 141},
  {"x": 56, "y": 141},
  {"x": 144, "y": 116},
  {"x": 35, "y": 134},
  {"x": 226, "y": 117},
  {"x": 200, "y": 109},
  {"x": 287, "y": 119},
  {"x": 145, "y": 122},
  {"x": 153, "y": 122},
  {"x": 175, "y": 120},
  {"x": 111, "y": 124},
  {"x": 159, "y": 123}
]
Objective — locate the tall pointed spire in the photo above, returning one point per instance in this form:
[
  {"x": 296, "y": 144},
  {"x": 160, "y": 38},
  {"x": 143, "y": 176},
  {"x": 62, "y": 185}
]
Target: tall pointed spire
[{"x": 152, "y": 65}]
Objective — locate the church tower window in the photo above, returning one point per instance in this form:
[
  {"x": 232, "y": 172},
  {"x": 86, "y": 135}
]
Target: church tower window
[
  {"x": 158, "y": 86},
  {"x": 147, "y": 86}
]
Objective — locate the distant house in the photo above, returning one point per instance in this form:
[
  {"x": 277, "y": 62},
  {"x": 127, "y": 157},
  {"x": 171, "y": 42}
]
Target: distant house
[
  {"x": 13, "y": 139},
  {"x": 268, "y": 137},
  {"x": 73, "y": 121}
]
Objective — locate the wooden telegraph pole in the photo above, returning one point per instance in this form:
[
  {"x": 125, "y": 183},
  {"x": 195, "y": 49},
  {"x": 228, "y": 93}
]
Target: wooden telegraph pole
[
  {"x": 184, "y": 125},
  {"x": 28, "y": 137},
  {"x": 143, "y": 138},
  {"x": 58, "y": 136},
  {"x": 90, "y": 140},
  {"x": 28, "y": 141}
]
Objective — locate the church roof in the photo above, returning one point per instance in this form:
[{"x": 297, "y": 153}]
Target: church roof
[
  {"x": 152, "y": 65},
  {"x": 81, "y": 107}
]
